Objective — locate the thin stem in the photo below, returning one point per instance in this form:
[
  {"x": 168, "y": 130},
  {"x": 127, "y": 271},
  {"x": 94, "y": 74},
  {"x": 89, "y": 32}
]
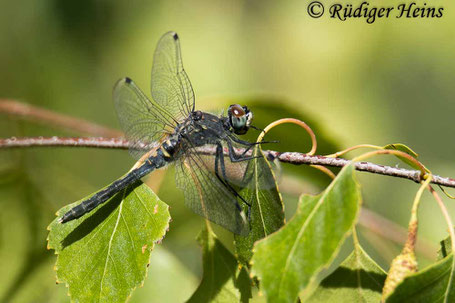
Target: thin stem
[
  {"x": 449, "y": 222},
  {"x": 355, "y": 238},
  {"x": 325, "y": 170},
  {"x": 393, "y": 152},
  {"x": 345, "y": 151},
  {"x": 413, "y": 222},
  {"x": 45, "y": 116},
  {"x": 286, "y": 157},
  {"x": 445, "y": 213},
  {"x": 115, "y": 143},
  {"x": 394, "y": 232}
]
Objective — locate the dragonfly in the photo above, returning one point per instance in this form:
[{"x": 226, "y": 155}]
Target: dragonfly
[{"x": 170, "y": 118}]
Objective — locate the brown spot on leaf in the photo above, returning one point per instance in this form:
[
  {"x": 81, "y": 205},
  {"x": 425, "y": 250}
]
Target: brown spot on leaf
[{"x": 144, "y": 248}]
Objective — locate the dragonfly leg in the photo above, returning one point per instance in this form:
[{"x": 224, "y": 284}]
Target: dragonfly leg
[
  {"x": 253, "y": 144},
  {"x": 236, "y": 158},
  {"x": 240, "y": 141},
  {"x": 219, "y": 160},
  {"x": 246, "y": 150}
]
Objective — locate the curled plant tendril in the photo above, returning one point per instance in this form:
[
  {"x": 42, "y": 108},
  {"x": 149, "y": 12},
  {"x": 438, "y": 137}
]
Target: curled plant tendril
[
  {"x": 310, "y": 132},
  {"x": 294, "y": 121},
  {"x": 345, "y": 151},
  {"x": 446, "y": 193},
  {"x": 423, "y": 169}
]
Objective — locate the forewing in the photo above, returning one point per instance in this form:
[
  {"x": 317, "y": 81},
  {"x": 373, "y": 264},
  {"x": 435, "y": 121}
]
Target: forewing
[
  {"x": 171, "y": 87},
  {"x": 207, "y": 196},
  {"x": 143, "y": 121}
]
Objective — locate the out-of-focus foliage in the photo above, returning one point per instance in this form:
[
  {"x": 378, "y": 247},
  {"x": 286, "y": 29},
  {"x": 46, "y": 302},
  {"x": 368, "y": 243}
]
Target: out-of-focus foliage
[
  {"x": 164, "y": 273},
  {"x": 391, "y": 81}
]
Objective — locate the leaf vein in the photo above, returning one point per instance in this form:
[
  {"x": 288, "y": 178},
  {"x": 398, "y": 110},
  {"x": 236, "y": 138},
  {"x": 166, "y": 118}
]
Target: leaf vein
[
  {"x": 301, "y": 231},
  {"x": 110, "y": 242}
]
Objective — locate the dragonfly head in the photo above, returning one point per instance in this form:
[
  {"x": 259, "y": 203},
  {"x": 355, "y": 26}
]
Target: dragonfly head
[{"x": 239, "y": 118}]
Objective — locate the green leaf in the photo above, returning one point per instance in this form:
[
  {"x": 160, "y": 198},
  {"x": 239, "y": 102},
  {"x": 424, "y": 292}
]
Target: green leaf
[
  {"x": 267, "y": 212},
  {"x": 433, "y": 284},
  {"x": 288, "y": 260},
  {"x": 103, "y": 256},
  {"x": 405, "y": 149},
  {"x": 221, "y": 277},
  {"x": 24, "y": 215},
  {"x": 358, "y": 279},
  {"x": 165, "y": 272}
]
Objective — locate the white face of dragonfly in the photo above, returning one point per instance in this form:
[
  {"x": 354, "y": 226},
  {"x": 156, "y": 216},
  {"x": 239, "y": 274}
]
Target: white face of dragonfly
[{"x": 240, "y": 118}]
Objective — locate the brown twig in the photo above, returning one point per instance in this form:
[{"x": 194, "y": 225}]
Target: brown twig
[
  {"x": 109, "y": 138},
  {"x": 413, "y": 175},
  {"x": 287, "y": 157},
  {"x": 394, "y": 232},
  {"x": 41, "y": 115},
  {"x": 114, "y": 143}
]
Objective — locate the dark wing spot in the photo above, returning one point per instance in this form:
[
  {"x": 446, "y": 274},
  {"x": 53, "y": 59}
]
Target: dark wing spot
[
  {"x": 175, "y": 36},
  {"x": 128, "y": 80}
]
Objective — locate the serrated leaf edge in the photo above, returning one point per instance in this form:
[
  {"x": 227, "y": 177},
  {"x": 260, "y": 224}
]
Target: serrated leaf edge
[{"x": 58, "y": 281}]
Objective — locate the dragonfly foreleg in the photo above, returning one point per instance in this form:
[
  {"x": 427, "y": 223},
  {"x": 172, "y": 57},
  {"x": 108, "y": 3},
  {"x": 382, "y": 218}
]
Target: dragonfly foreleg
[
  {"x": 238, "y": 158},
  {"x": 243, "y": 142}
]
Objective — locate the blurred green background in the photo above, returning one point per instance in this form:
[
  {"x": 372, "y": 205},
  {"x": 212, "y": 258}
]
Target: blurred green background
[{"x": 387, "y": 82}]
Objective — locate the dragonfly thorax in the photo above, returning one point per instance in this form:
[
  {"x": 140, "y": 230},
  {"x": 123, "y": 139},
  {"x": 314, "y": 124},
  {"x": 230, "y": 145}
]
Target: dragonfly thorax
[{"x": 170, "y": 145}]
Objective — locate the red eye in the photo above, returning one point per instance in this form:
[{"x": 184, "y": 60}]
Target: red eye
[{"x": 237, "y": 111}]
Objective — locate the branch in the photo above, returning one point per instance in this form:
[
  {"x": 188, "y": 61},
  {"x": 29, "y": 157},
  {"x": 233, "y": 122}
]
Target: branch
[
  {"x": 286, "y": 157},
  {"x": 45, "y": 116},
  {"x": 394, "y": 232},
  {"x": 109, "y": 139},
  {"x": 114, "y": 143}
]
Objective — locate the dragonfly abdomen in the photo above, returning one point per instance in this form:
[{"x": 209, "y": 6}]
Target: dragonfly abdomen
[{"x": 156, "y": 161}]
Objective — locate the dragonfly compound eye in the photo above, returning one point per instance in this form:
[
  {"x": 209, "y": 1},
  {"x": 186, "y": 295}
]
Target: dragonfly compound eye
[{"x": 239, "y": 118}]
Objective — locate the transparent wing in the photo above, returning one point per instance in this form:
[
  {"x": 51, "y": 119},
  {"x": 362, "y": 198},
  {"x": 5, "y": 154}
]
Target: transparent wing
[
  {"x": 171, "y": 87},
  {"x": 143, "y": 121},
  {"x": 207, "y": 196}
]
